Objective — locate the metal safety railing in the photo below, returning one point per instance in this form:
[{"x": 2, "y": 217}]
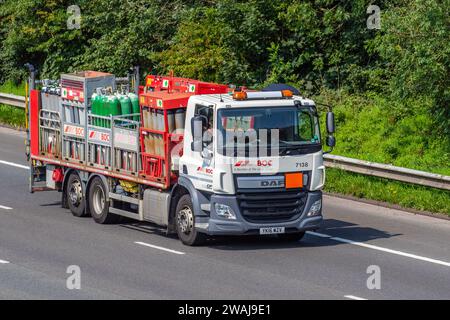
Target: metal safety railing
[
  {"x": 12, "y": 100},
  {"x": 388, "y": 171}
]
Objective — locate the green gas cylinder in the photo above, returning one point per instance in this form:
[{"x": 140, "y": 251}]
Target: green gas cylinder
[
  {"x": 134, "y": 104},
  {"x": 114, "y": 105},
  {"x": 125, "y": 104},
  {"x": 103, "y": 111},
  {"x": 96, "y": 104},
  {"x": 111, "y": 106}
]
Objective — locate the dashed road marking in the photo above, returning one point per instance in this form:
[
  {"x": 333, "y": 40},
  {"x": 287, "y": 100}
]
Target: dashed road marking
[
  {"x": 354, "y": 297},
  {"x": 12, "y": 164},
  {"x": 158, "y": 247}
]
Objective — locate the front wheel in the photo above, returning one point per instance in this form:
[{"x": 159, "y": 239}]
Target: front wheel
[{"x": 185, "y": 223}]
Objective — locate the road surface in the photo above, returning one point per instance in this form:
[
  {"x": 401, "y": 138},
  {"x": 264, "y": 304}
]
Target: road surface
[{"x": 39, "y": 241}]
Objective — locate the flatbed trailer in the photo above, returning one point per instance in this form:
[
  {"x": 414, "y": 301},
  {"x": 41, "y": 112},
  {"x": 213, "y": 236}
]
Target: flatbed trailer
[{"x": 161, "y": 93}]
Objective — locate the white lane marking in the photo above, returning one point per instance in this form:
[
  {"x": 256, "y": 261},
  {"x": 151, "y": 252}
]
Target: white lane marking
[
  {"x": 3, "y": 262},
  {"x": 318, "y": 234},
  {"x": 370, "y": 246},
  {"x": 158, "y": 247},
  {"x": 6, "y": 208},
  {"x": 14, "y": 164},
  {"x": 354, "y": 297}
]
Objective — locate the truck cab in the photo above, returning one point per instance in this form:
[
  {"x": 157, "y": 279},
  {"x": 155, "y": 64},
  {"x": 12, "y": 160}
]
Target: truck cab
[{"x": 252, "y": 163}]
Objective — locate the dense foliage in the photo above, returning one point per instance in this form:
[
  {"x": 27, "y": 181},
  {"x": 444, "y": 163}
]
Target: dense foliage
[
  {"x": 371, "y": 127},
  {"x": 323, "y": 41}
]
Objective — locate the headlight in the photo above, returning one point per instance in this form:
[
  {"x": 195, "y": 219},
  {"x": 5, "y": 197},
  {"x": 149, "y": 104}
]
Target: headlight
[
  {"x": 224, "y": 211},
  {"x": 315, "y": 208}
]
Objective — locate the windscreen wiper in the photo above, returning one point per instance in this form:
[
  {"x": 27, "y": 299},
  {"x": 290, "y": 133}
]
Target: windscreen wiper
[{"x": 293, "y": 149}]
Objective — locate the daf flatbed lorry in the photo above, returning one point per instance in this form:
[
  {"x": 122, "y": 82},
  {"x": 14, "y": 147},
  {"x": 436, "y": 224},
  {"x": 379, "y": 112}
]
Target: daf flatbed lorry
[{"x": 197, "y": 158}]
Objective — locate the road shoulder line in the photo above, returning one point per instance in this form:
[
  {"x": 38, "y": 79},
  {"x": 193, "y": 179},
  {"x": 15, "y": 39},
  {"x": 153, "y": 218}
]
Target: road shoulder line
[{"x": 373, "y": 247}]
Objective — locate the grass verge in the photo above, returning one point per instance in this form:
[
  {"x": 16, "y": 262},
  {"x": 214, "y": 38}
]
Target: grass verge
[
  {"x": 374, "y": 128},
  {"x": 394, "y": 192},
  {"x": 12, "y": 116},
  {"x": 12, "y": 88}
]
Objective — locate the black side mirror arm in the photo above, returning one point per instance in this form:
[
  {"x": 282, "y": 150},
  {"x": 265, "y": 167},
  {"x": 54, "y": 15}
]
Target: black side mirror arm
[
  {"x": 330, "y": 123},
  {"x": 331, "y": 147}
]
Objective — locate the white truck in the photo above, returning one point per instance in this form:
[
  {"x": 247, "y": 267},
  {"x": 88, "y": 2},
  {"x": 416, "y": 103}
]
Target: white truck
[{"x": 242, "y": 162}]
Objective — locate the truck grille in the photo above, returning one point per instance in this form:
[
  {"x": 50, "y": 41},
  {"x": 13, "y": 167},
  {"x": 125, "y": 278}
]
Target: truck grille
[{"x": 277, "y": 206}]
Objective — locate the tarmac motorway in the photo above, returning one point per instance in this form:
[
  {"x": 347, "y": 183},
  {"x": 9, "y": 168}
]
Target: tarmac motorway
[{"x": 362, "y": 252}]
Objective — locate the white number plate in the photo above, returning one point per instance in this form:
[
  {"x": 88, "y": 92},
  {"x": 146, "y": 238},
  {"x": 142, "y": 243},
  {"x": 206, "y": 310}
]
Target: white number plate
[{"x": 271, "y": 230}]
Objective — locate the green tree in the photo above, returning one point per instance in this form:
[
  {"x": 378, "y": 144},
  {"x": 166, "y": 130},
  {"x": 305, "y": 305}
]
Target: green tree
[
  {"x": 225, "y": 42},
  {"x": 414, "y": 45}
]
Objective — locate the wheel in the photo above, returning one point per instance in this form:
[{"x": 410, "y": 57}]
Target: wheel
[
  {"x": 75, "y": 196},
  {"x": 185, "y": 223},
  {"x": 291, "y": 237},
  {"x": 98, "y": 204}
]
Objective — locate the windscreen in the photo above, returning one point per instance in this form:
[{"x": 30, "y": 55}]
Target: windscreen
[{"x": 291, "y": 127}]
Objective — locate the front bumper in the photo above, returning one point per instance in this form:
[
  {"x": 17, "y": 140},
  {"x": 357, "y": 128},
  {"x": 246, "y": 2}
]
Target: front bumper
[{"x": 215, "y": 225}]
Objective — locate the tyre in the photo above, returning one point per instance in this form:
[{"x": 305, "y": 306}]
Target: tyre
[
  {"x": 185, "y": 223},
  {"x": 291, "y": 237},
  {"x": 98, "y": 204},
  {"x": 75, "y": 196}
]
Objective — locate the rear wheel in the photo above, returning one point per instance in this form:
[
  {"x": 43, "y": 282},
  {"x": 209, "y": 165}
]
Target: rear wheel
[
  {"x": 75, "y": 196},
  {"x": 98, "y": 204},
  {"x": 291, "y": 237},
  {"x": 185, "y": 223}
]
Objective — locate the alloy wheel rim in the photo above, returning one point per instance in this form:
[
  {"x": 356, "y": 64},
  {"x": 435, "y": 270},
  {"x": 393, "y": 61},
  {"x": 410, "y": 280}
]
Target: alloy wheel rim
[
  {"x": 75, "y": 193},
  {"x": 98, "y": 200},
  {"x": 185, "y": 220}
]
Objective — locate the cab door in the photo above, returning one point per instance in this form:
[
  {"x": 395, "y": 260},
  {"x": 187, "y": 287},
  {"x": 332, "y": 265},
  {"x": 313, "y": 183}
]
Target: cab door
[{"x": 197, "y": 166}]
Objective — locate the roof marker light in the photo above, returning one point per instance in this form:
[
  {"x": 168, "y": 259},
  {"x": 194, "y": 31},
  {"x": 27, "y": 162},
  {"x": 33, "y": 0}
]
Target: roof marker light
[
  {"x": 239, "y": 95},
  {"x": 261, "y": 95},
  {"x": 287, "y": 93}
]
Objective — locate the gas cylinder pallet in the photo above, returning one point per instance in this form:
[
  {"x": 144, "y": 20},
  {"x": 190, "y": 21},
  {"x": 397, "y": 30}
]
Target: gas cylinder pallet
[
  {"x": 125, "y": 145},
  {"x": 113, "y": 143},
  {"x": 99, "y": 141},
  {"x": 50, "y": 133}
]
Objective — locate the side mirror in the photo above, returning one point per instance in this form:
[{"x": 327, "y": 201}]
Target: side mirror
[
  {"x": 196, "y": 146},
  {"x": 331, "y": 141},
  {"x": 197, "y": 124},
  {"x": 330, "y": 122}
]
